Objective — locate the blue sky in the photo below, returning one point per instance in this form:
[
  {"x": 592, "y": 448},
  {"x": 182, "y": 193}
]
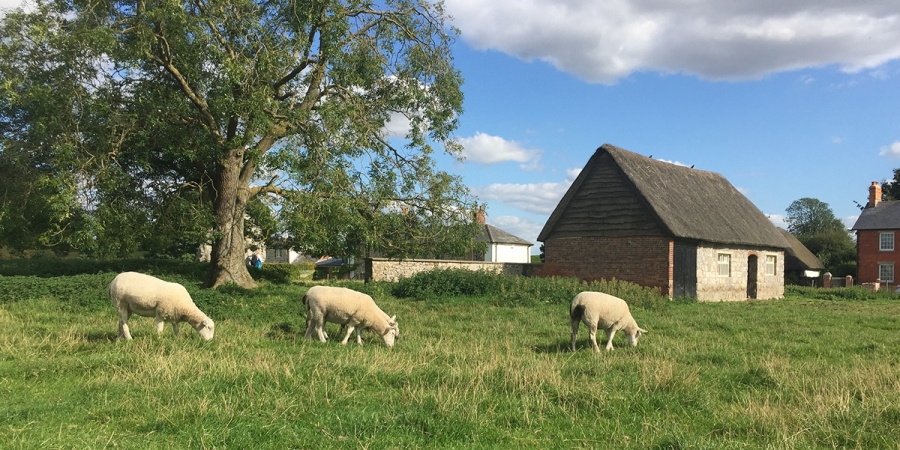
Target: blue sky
[{"x": 785, "y": 98}]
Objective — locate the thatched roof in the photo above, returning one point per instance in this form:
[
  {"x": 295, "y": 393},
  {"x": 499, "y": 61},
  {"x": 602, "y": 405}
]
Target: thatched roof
[
  {"x": 797, "y": 256},
  {"x": 494, "y": 235},
  {"x": 687, "y": 203},
  {"x": 883, "y": 216}
]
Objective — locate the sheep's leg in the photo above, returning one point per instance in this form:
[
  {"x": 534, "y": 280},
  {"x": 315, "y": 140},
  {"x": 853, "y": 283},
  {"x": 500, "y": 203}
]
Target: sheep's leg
[
  {"x": 593, "y": 333},
  {"x": 609, "y": 336},
  {"x": 320, "y": 331},
  {"x": 359, "y": 336},
  {"x": 575, "y": 324},
  {"x": 124, "y": 332},
  {"x": 160, "y": 324},
  {"x": 175, "y": 328},
  {"x": 350, "y": 329}
]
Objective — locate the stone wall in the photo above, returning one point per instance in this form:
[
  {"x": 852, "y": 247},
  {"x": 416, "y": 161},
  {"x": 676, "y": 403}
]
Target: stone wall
[
  {"x": 714, "y": 287},
  {"x": 383, "y": 269}
]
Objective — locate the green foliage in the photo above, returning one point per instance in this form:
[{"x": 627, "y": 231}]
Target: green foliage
[
  {"x": 149, "y": 125},
  {"x": 839, "y": 293},
  {"x": 509, "y": 291},
  {"x": 281, "y": 273},
  {"x": 55, "y": 267},
  {"x": 813, "y": 223},
  {"x": 890, "y": 189}
]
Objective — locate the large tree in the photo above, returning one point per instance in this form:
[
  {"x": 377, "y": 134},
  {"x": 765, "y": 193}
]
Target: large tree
[
  {"x": 813, "y": 223},
  {"x": 151, "y": 118},
  {"x": 891, "y": 188}
]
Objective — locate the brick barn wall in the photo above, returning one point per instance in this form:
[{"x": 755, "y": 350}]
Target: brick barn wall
[
  {"x": 869, "y": 256},
  {"x": 644, "y": 260}
]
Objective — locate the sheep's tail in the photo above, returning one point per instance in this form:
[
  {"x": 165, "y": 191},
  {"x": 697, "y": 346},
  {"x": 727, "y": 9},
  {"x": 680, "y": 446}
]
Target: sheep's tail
[{"x": 577, "y": 313}]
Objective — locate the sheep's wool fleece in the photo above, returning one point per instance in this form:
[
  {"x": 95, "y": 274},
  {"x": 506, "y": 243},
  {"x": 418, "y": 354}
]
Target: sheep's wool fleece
[
  {"x": 149, "y": 296},
  {"x": 603, "y": 309}
]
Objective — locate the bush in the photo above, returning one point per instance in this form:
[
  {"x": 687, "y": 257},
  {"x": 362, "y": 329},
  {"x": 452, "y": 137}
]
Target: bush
[
  {"x": 280, "y": 273},
  {"x": 55, "y": 267},
  {"x": 837, "y": 293},
  {"x": 505, "y": 290}
]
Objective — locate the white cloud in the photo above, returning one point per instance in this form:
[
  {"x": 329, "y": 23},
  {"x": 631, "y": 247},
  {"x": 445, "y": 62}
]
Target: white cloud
[
  {"x": 398, "y": 126},
  {"x": 524, "y": 229},
  {"x": 604, "y": 41},
  {"x": 778, "y": 220},
  {"x": 539, "y": 198},
  {"x": 891, "y": 152},
  {"x": 486, "y": 149},
  {"x": 849, "y": 221}
]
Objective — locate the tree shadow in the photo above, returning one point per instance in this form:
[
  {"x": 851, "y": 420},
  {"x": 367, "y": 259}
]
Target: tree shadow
[
  {"x": 561, "y": 346},
  {"x": 105, "y": 336},
  {"x": 285, "y": 331}
]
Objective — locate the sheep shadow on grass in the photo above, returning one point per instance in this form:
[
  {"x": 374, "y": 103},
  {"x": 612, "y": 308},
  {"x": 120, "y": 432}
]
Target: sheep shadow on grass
[{"x": 105, "y": 336}]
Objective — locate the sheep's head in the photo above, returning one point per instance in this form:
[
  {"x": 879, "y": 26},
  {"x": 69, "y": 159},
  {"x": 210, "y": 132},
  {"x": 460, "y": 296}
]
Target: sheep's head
[
  {"x": 633, "y": 337},
  {"x": 206, "y": 328},
  {"x": 392, "y": 332}
]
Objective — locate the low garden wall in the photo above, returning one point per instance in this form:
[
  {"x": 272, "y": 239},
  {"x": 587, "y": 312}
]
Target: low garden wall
[{"x": 383, "y": 269}]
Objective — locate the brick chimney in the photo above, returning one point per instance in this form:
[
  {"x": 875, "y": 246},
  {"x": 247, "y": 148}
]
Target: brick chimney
[
  {"x": 874, "y": 194},
  {"x": 479, "y": 214}
]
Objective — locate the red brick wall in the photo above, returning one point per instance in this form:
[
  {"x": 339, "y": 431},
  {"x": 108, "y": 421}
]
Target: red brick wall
[
  {"x": 868, "y": 255},
  {"x": 645, "y": 260}
]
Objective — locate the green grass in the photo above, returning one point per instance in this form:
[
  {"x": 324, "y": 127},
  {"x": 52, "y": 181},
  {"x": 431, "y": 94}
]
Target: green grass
[{"x": 788, "y": 374}]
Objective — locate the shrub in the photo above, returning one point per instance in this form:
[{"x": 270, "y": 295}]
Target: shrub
[
  {"x": 837, "y": 293},
  {"x": 505, "y": 290}
]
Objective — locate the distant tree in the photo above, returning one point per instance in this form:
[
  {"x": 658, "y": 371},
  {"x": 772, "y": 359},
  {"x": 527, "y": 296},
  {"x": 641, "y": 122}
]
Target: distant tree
[
  {"x": 808, "y": 216},
  {"x": 813, "y": 223},
  {"x": 890, "y": 189}
]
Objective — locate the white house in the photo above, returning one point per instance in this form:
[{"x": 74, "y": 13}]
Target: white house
[{"x": 504, "y": 247}]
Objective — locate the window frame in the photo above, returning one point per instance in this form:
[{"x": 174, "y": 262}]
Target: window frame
[
  {"x": 723, "y": 261},
  {"x": 771, "y": 262},
  {"x": 881, "y": 271},
  {"x": 882, "y": 241}
]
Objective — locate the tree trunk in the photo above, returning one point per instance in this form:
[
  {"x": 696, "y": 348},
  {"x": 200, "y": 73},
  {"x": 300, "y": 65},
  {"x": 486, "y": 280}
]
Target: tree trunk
[{"x": 226, "y": 263}]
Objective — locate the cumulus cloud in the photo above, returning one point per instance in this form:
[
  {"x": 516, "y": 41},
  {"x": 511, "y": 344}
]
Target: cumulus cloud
[
  {"x": 539, "y": 198},
  {"x": 604, "y": 41},
  {"x": 486, "y": 149},
  {"x": 891, "y": 152},
  {"x": 778, "y": 220}
]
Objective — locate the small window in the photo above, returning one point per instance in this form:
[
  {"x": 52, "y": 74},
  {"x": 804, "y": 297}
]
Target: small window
[
  {"x": 886, "y": 272},
  {"x": 724, "y": 265},
  {"x": 771, "y": 263},
  {"x": 886, "y": 242}
]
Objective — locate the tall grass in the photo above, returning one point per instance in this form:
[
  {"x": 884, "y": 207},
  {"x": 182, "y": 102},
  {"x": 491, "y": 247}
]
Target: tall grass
[{"x": 467, "y": 373}]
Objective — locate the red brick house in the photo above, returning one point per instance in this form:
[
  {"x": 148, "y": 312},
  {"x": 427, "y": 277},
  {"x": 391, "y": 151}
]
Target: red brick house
[
  {"x": 688, "y": 232},
  {"x": 876, "y": 230}
]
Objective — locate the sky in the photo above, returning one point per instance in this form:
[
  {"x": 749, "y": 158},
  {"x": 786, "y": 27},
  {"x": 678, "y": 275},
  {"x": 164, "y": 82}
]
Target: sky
[{"x": 785, "y": 98}]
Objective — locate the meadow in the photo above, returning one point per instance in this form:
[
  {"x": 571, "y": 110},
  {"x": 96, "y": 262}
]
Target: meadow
[{"x": 477, "y": 369}]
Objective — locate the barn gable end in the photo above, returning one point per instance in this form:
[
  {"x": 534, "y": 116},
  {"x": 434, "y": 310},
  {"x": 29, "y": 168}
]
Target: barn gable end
[{"x": 630, "y": 217}]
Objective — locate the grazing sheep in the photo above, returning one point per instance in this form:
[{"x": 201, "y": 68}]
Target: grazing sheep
[
  {"x": 136, "y": 293},
  {"x": 603, "y": 311},
  {"x": 346, "y": 307}
]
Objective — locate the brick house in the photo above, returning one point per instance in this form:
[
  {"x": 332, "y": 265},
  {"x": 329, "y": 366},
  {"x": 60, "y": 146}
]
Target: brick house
[
  {"x": 688, "y": 232},
  {"x": 876, "y": 230}
]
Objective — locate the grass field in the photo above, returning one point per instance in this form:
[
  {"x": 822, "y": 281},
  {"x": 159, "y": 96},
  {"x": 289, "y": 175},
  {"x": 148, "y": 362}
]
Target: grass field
[{"x": 785, "y": 374}]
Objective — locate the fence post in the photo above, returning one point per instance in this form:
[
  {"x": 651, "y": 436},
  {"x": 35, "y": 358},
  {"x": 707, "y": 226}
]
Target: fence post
[{"x": 826, "y": 280}]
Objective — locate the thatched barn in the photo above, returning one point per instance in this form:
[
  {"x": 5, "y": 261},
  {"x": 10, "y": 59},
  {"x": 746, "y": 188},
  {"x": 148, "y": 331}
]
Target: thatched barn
[
  {"x": 688, "y": 232},
  {"x": 800, "y": 265}
]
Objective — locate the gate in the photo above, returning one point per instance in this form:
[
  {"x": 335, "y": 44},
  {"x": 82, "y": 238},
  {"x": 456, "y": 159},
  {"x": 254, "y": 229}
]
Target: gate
[{"x": 684, "y": 271}]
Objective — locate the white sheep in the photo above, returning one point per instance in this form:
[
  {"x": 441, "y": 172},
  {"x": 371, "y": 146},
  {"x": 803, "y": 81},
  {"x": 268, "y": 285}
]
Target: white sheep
[
  {"x": 603, "y": 311},
  {"x": 346, "y": 307},
  {"x": 147, "y": 296}
]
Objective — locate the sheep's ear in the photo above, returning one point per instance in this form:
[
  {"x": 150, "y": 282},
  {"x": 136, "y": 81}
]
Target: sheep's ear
[
  {"x": 642, "y": 331},
  {"x": 393, "y": 319}
]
